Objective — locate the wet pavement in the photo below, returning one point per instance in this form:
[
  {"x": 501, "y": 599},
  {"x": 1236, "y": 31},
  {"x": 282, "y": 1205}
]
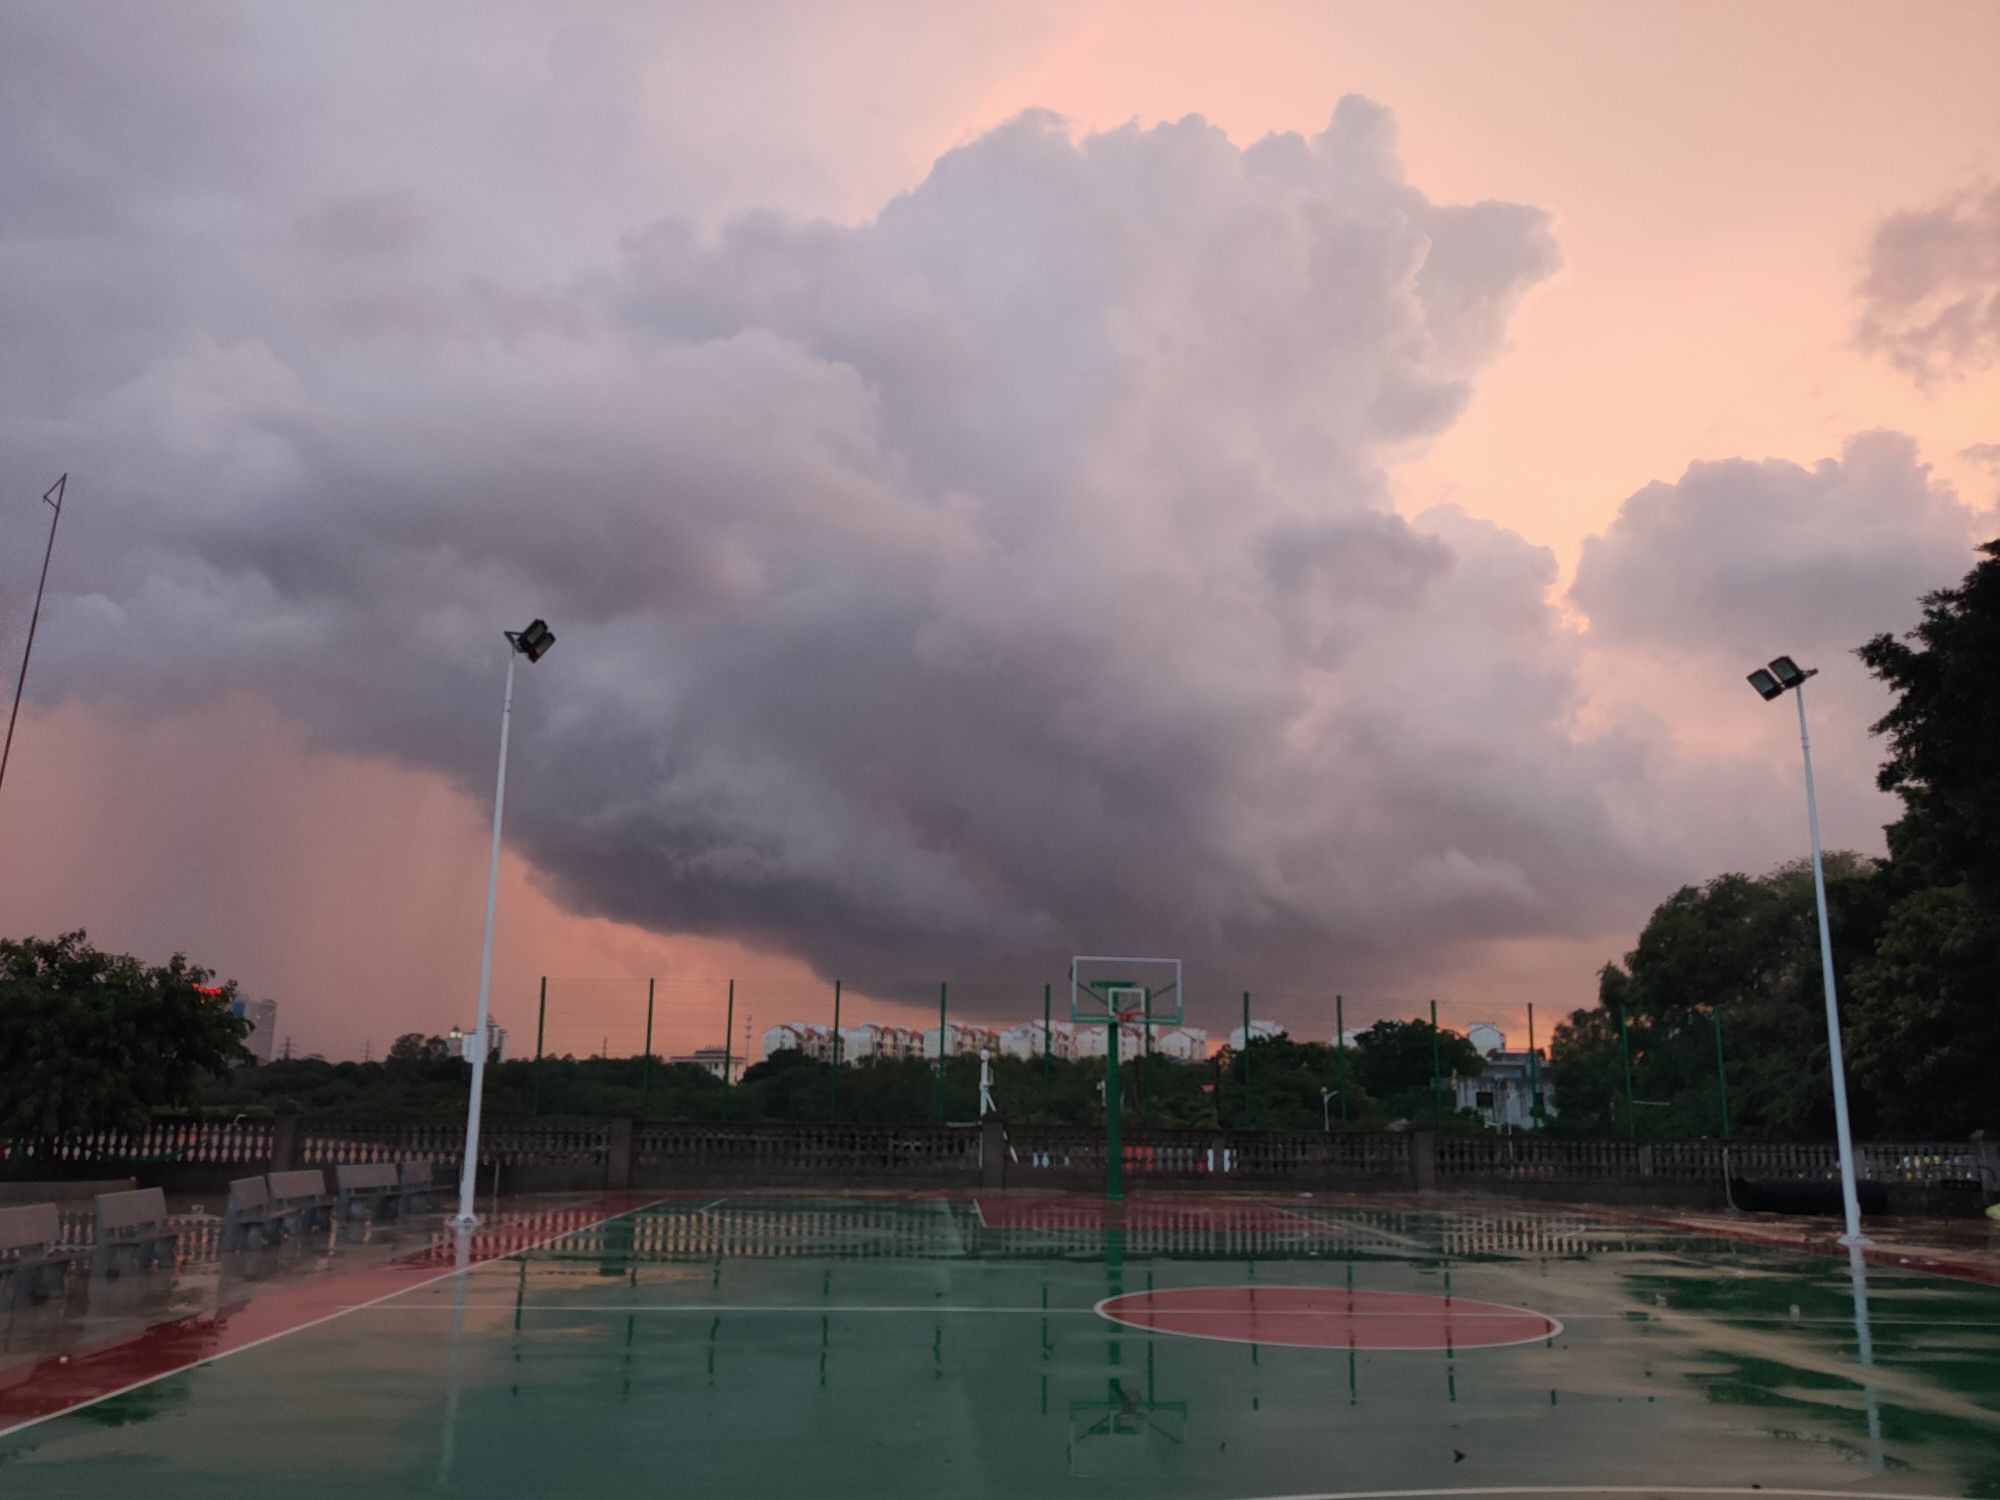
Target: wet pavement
[{"x": 749, "y": 1346}]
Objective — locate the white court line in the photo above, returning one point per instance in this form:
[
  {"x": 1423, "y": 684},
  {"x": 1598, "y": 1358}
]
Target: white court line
[
  {"x": 890, "y": 1309},
  {"x": 1770, "y": 1492},
  {"x": 1546, "y": 1335},
  {"x": 339, "y": 1312}
]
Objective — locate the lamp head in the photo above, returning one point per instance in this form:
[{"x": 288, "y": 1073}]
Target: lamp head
[
  {"x": 534, "y": 642},
  {"x": 1788, "y": 672},
  {"x": 1766, "y": 685}
]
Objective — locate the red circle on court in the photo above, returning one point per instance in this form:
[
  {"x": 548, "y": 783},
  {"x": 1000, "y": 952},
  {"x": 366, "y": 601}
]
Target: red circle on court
[{"x": 1324, "y": 1317}]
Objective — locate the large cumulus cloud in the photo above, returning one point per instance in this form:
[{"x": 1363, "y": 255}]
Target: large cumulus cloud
[{"x": 1008, "y": 573}]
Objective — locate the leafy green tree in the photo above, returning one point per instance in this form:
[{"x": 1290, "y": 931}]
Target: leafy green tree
[
  {"x": 92, "y": 1040},
  {"x": 1743, "y": 949},
  {"x": 1944, "y": 736},
  {"x": 1392, "y": 1062},
  {"x": 413, "y": 1048},
  {"x": 1926, "y": 1027},
  {"x": 1927, "y": 1008}
]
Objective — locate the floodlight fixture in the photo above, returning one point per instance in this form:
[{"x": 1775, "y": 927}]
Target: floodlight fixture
[
  {"x": 1766, "y": 684},
  {"x": 1789, "y": 673},
  {"x": 534, "y": 642}
]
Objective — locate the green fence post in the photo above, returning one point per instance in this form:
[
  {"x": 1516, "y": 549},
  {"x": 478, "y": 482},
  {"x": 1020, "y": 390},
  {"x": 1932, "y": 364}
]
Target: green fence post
[
  {"x": 728, "y": 1032},
  {"x": 541, "y": 1016},
  {"x": 1248, "y": 1097},
  {"x": 941, "y": 1050},
  {"x": 1625, "y": 1050},
  {"x": 1048, "y": 990},
  {"x": 1534, "y": 1071},
  {"x": 1437, "y": 1075},
  {"x": 833, "y": 1094},
  {"x": 1340, "y": 1053},
  {"x": 1114, "y": 1153},
  {"x": 646, "y": 1070},
  {"x": 1721, "y": 1078}
]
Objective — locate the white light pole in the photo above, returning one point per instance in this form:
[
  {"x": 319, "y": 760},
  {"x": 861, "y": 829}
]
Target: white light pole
[
  {"x": 1781, "y": 676},
  {"x": 532, "y": 643},
  {"x": 1326, "y": 1110}
]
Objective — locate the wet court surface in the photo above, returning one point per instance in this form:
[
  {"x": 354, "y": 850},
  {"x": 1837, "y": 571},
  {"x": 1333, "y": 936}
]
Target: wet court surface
[{"x": 1016, "y": 1347}]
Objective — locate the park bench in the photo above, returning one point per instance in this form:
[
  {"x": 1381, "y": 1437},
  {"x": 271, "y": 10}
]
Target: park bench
[
  {"x": 132, "y": 1231},
  {"x": 28, "y": 1257},
  {"x": 300, "y": 1199},
  {"x": 371, "y": 1190},
  {"x": 251, "y": 1218},
  {"x": 418, "y": 1179}
]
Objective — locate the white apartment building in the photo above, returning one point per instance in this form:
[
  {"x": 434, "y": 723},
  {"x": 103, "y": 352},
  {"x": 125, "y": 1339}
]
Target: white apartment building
[
  {"x": 1260, "y": 1031},
  {"x": 960, "y": 1037},
  {"x": 800, "y": 1036}
]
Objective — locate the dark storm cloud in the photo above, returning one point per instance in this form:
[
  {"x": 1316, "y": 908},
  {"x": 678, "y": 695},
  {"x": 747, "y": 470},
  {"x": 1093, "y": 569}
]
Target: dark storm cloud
[
  {"x": 1931, "y": 294},
  {"x": 1009, "y": 574}
]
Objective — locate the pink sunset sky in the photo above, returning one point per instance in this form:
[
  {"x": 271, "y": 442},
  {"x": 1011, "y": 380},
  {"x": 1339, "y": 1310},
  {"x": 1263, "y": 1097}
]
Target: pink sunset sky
[{"x": 1291, "y": 486}]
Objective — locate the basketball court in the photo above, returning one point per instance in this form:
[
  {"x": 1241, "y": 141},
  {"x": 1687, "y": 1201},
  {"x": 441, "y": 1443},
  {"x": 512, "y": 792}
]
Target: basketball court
[{"x": 1001, "y": 1345}]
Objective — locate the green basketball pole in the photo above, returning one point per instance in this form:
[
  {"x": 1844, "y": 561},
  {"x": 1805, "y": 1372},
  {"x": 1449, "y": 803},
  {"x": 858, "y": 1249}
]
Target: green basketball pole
[
  {"x": 646, "y": 1068},
  {"x": 541, "y": 1018},
  {"x": 1340, "y": 1053},
  {"x": 1721, "y": 1078},
  {"x": 1114, "y": 1156},
  {"x": 833, "y": 1092}
]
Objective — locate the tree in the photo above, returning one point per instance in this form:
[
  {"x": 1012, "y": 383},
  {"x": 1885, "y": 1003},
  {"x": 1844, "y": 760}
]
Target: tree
[
  {"x": 1943, "y": 733},
  {"x": 92, "y": 1040},
  {"x": 1927, "y": 1007},
  {"x": 1927, "y": 1015},
  {"x": 1392, "y": 1063},
  {"x": 1741, "y": 949},
  {"x": 413, "y": 1048}
]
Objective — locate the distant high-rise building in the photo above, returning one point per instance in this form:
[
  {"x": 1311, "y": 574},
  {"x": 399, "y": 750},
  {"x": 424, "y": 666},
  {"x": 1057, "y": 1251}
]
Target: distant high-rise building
[{"x": 263, "y": 1018}]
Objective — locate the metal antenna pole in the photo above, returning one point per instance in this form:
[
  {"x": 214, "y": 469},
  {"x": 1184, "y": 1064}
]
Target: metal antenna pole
[
  {"x": 1850, "y": 1201},
  {"x": 53, "y": 498},
  {"x": 468, "y": 1174}
]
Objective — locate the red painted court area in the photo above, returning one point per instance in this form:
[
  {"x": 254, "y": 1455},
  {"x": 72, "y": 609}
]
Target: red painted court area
[
  {"x": 1312, "y": 1317},
  {"x": 1057, "y": 1212},
  {"x": 60, "y": 1383}
]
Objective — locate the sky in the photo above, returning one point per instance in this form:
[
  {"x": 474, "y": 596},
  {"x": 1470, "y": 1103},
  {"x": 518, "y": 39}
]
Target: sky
[{"x": 1290, "y": 487}]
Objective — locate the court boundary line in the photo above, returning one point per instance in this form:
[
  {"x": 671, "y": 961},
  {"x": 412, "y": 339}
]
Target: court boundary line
[
  {"x": 1773, "y": 1493},
  {"x": 1776, "y": 1492},
  {"x": 1555, "y": 1329},
  {"x": 16, "y": 1428}
]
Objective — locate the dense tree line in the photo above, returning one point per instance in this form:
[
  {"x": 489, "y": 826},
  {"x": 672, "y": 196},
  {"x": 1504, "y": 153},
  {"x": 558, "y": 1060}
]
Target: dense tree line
[
  {"x": 1386, "y": 1077},
  {"x": 1916, "y": 941}
]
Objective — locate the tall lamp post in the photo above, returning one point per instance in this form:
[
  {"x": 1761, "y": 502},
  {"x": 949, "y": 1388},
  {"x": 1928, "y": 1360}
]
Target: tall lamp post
[
  {"x": 532, "y": 643},
  {"x": 1784, "y": 675}
]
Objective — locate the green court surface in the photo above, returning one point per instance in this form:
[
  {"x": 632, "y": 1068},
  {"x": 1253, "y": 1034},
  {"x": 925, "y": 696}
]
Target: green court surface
[{"x": 790, "y": 1346}]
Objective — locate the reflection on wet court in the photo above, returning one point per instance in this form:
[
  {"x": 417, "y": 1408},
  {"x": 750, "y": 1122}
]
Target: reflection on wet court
[{"x": 1019, "y": 1346}]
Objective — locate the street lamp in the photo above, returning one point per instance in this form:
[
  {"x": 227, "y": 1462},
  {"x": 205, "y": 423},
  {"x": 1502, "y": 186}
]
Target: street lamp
[
  {"x": 1326, "y": 1110},
  {"x": 1784, "y": 675},
  {"x": 533, "y": 643}
]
